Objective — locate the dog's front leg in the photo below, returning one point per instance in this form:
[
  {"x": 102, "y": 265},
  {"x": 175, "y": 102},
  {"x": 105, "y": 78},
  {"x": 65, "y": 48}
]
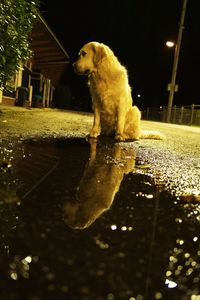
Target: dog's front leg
[
  {"x": 96, "y": 124},
  {"x": 93, "y": 150},
  {"x": 121, "y": 114}
]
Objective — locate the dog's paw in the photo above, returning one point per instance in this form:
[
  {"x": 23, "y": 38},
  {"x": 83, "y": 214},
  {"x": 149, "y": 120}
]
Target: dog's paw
[
  {"x": 119, "y": 137},
  {"x": 93, "y": 134}
]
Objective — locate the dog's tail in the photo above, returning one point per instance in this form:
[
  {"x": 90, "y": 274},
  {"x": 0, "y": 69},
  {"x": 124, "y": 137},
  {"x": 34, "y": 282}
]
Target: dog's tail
[{"x": 152, "y": 135}]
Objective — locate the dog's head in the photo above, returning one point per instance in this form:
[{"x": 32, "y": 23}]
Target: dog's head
[{"x": 90, "y": 56}]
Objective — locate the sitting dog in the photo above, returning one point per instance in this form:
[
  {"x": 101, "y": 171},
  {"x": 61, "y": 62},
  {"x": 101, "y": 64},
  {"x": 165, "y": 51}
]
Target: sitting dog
[{"x": 111, "y": 94}]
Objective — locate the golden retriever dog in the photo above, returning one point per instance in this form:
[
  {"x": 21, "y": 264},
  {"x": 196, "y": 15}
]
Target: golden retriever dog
[
  {"x": 114, "y": 113},
  {"x": 100, "y": 182}
]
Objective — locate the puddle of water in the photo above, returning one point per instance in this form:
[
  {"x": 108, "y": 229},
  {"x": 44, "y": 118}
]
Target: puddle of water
[{"x": 79, "y": 222}]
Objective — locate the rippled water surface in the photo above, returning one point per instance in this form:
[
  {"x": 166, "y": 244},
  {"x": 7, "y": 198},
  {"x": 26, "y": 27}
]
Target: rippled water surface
[{"x": 82, "y": 220}]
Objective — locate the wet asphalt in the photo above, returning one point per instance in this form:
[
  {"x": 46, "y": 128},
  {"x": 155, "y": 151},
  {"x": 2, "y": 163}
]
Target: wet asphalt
[{"x": 86, "y": 219}]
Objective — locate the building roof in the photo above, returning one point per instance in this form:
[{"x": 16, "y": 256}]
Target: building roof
[{"x": 49, "y": 56}]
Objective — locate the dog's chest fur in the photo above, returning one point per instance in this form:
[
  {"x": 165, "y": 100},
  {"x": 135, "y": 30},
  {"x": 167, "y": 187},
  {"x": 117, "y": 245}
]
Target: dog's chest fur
[{"x": 103, "y": 95}]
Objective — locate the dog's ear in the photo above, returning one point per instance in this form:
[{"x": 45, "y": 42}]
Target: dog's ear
[{"x": 99, "y": 53}]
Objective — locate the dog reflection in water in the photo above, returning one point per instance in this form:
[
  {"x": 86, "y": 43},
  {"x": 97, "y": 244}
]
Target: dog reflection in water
[{"x": 101, "y": 180}]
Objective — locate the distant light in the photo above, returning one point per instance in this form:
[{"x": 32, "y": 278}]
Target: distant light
[
  {"x": 28, "y": 259},
  {"x": 14, "y": 275},
  {"x": 124, "y": 228},
  {"x": 150, "y": 196},
  {"x": 113, "y": 227},
  {"x": 139, "y": 96},
  {"x": 171, "y": 284},
  {"x": 170, "y": 44}
]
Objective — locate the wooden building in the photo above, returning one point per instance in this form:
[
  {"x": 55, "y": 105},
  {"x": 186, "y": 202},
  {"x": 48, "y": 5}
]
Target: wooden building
[{"x": 34, "y": 82}]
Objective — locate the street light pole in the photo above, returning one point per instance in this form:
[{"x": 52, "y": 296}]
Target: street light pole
[{"x": 175, "y": 63}]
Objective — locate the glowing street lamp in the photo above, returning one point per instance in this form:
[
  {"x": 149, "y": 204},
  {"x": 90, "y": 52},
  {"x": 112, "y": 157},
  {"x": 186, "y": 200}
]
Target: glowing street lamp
[{"x": 170, "y": 44}]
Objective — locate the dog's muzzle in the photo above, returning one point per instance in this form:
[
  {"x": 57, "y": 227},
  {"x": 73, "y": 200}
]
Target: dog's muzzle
[{"x": 85, "y": 72}]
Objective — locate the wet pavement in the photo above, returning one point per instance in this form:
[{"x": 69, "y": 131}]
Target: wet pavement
[{"x": 84, "y": 220}]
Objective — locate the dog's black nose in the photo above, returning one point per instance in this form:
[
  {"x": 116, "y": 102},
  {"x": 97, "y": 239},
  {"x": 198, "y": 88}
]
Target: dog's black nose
[{"x": 74, "y": 65}]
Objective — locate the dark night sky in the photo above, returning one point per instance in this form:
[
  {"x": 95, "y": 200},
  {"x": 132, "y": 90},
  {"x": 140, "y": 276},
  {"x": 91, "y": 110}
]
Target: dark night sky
[{"x": 136, "y": 31}]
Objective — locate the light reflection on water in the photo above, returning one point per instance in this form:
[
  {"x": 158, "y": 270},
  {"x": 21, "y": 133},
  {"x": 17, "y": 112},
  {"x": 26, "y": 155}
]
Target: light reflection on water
[{"x": 138, "y": 242}]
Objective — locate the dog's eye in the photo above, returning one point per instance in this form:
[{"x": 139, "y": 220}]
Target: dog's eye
[{"x": 83, "y": 53}]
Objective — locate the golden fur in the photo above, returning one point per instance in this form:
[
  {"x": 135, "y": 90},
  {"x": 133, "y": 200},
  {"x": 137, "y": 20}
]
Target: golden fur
[{"x": 111, "y": 94}]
